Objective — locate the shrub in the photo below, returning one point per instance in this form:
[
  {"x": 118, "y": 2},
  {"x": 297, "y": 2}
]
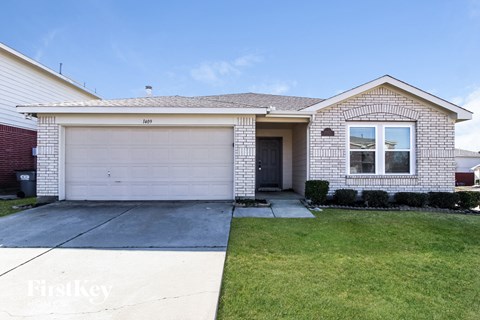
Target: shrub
[
  {"x": 412, "y": 199},
  {"x": 345, "y": 197},
  {"x": 477, "y": 182},
  {"x": 468, "y": 199},
  {"x": 375, "y": 198},
  {"x": 446, "y": 200},
  {"x": 316, "y": 191}
]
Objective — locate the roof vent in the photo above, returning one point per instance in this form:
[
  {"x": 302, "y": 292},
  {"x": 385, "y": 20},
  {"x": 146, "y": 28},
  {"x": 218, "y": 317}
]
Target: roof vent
[{"x": 148, "y": 91}]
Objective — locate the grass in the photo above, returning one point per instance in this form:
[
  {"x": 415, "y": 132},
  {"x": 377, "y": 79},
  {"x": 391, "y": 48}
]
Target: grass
[
  {"x": 353, "y": 265},
  {"x": 6, "y": 205}
]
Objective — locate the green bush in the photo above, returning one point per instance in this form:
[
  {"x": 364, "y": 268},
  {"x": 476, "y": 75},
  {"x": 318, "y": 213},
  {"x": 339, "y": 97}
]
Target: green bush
[
  {"x": 345, "y": 197},
  {"x": 375, "y": 198},
  {"x": 468, "y": 199},
  {"x": 412, "y": 199},
  {"x": 477, "y": 181},
  {"x": 316, "y": 191},
  {"x": 445, "y": 200}
]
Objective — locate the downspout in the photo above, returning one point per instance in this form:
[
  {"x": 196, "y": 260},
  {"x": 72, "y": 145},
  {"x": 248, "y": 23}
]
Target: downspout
[{"x": 312, "y": 118}]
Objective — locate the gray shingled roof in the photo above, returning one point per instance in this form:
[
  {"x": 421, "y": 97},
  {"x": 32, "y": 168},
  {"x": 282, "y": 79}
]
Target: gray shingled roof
[
  {"x": 466, "y": 153},
  {"x": 240, "y": 100},
  {"x": 266, "y": 100},
  {"x": 161, "y": 101}
]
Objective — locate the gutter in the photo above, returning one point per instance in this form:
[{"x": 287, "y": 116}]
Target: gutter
[{"x": 288, "y": 114}]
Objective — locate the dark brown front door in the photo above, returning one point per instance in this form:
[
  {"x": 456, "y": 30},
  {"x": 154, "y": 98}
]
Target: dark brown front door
[{"x": 269, "y": 163}]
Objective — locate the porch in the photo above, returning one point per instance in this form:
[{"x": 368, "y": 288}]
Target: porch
[{"x": 281, "y": 157}]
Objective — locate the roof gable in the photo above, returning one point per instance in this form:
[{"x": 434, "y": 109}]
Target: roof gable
[{"x": 461, "y": 114}]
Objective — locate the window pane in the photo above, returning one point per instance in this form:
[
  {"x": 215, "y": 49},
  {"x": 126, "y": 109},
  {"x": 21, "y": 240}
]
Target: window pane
[
  {"x": 362, "y": 162},
  {"x": 362, "y": 138},
  {"x": 397, "y": 138},
  {"x": 397, "y": 162}
]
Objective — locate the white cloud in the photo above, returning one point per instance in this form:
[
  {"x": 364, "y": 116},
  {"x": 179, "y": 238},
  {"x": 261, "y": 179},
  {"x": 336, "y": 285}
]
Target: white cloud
[
  {"x": 45, "y": 43},
  {"x": 213, "y": 72},
  {"x": 274, "y": 87},
  {"x": 247, "y": 60},
  {"x": 216, "y": 72},
  {"x": 467, "y": 133}
]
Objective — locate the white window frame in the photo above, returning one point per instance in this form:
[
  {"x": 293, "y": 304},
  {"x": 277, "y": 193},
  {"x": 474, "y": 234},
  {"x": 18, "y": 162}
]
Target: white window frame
[
  {"x": 380, "y": 147},
  {"x": 369, "y": 125}
]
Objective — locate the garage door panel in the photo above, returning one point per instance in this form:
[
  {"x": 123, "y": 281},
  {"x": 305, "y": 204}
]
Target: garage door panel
[
  {"x": 180, "y": 155},
  {"x": 180, "y": 173},
  {"x": 160, "y": 138},
  {"x": 119, "y": 138},
  {"x": 200, "y": 190},
  {"x": 156, "y": 155},
  {"x": 88, "y": 173},
  {"x": 141, "y": 172},
  {"x": 149, "y": 163},
  {"x": 218, "y": 189},
  {"x": 182, "y": 138},
  {"x": 200, "y": 173},
  {"x": 86, "y": 155},
  {"x": 143, "y": 155},
  {"x": 218, "y": 156},
  {"x": 199, "y": 155},
  {"x": 160, "y": 172},
  {"x": 117, "y": 173},
  {"x": 139, "y": 136},
  {"x": 86, "y": 136},
  {"x": 218, "y": 172},
  {"x": 220, "y": 140}
]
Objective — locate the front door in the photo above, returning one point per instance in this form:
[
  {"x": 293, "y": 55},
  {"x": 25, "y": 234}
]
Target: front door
[{"x": 269, "y": 163}]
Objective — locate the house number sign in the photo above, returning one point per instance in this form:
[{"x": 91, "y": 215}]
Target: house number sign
[{"x": 147, "y": 121}]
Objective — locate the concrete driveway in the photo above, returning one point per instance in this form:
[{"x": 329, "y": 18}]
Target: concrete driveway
[{"x": 84, "y": 260}]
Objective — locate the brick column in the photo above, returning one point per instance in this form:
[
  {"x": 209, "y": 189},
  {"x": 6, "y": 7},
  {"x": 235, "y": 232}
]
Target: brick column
[
  {"x": 47, "y": 159},
  {"x": 244, "y": 142}
]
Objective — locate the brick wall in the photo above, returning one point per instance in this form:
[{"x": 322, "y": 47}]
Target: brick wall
[
  {"x": 244, "y": 142},
  {"x": 435, "y": 165},
  {"x": 15, "y": 154},
  {"x": 47, "y": 159}
]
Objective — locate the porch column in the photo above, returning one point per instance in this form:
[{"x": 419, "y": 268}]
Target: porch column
[{"x": 244, "y": 151}]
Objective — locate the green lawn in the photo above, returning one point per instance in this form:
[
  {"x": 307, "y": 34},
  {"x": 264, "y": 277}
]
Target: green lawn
[
  {"x": 353, "y": 265},
  {"x": 6, "y": 205}
]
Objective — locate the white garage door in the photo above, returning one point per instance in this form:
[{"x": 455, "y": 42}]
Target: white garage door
[{"x": 113, "y": 163}]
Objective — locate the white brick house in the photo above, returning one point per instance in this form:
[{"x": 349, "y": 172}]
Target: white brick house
[
  {"x": 385, "y": 134},
  {"x": 465, "y": 161}
]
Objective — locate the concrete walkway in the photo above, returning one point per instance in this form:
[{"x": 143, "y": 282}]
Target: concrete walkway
[
  {"x": 85, "y": 260},
  {"x": 280, "y": 208},
  {"x": 8, "y": 197}
]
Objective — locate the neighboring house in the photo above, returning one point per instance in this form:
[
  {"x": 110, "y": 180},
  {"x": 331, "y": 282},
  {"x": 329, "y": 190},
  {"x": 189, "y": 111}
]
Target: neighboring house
[
  {"x": 385, "y": 134},
  {"x": 465, "y": 161},
  {"x": 476, "y": 172},
  {"x": 23, "y": 81}
]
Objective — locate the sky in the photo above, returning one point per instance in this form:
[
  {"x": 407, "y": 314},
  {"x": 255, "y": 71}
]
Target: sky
[{"x": 301, "y": 48}]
